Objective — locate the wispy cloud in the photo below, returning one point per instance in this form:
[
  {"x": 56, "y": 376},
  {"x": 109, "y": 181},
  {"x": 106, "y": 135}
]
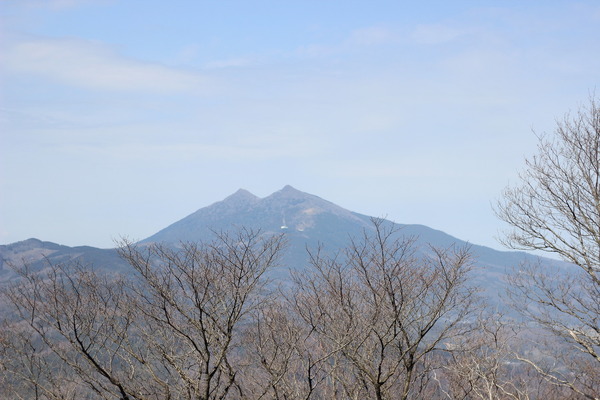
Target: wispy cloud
[
  {"x": 229, "y": 63},
  {"x": 93, "y": 65},
  {"x": 372, "y": 35},
  {"x": 315, "y": 50},
  {"x": 179, "y": 152},
  {"x": 360, "y": 38},
  {"x": 436, "y": 34},
  {"x": 60, "y": 4}
]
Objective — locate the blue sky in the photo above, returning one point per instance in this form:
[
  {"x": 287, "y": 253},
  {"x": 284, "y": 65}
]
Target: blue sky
[{"x": 121, "y": 117}]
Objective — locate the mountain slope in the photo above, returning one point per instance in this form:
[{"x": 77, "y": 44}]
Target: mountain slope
[
  {"x": 304, "y": 216},
  {"x": 307, "y": 221},
  {"x": 36, "y": 254},
  {"x": 287, "y": 210}
]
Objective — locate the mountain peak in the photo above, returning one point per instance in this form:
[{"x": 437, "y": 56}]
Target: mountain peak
[
  {"x": 290, "y": 192},
  {"x": 241, "y": 195},
  {"x": 291, "y": 208}
]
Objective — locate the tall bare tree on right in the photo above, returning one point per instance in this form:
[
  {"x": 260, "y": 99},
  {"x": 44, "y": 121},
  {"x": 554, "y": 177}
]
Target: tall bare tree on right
[{"x": 556, "y": 209}]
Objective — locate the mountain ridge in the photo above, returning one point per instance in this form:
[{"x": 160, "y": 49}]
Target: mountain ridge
[
  {"x": 308, "y": 222},
  {"x": 287, "y": 207}
]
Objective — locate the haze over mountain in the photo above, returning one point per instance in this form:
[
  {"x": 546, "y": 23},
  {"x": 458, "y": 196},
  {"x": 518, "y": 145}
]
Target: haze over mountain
[{"x": 307, "y": 221}]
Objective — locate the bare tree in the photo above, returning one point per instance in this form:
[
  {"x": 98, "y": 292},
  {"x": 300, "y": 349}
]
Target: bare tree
[
  {"x": 284, "y": 359},
  {"x": 67, "y": 340},
  {"x": 381, "y": 311},
  {"x": 556, "y": 209},
  {"x": 192, "y": 303},
  {"x": 486, "y": 366},
  {"x": 169, "y": 332}
]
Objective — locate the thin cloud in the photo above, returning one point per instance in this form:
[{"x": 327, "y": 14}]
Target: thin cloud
[
  {"x": 359, "y": 38},
  {"x": 373, "y": 35},
  {"x": 179, "y": 152},
  {"x": 229, "y": 63},
  {"x": 315, "y": 50},
  {"x": 92, "y": 65},
  {"x": 60, "y": 4},
  {"x": 436, "y": 34}
]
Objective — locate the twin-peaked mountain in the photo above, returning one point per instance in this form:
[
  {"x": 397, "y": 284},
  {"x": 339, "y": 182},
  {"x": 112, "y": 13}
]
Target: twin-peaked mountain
[
  {"x": 304, "y": 218},
  {"x": 307, "y": 221}
]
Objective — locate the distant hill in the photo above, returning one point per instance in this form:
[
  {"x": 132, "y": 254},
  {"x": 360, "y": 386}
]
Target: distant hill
[
  {"x": 306, "y": 220},
  {"x": 37, "y": 254}
]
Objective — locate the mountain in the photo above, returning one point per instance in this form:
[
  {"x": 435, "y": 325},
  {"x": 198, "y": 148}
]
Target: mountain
[
  {"x": 306, "y": 220},
  {"x": 287, "y": 210},
  {"x": 37, "y": 254}
]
